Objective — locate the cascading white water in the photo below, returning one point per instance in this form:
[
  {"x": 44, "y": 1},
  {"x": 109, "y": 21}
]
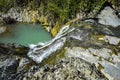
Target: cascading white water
[{"x": 42, "y": 50}]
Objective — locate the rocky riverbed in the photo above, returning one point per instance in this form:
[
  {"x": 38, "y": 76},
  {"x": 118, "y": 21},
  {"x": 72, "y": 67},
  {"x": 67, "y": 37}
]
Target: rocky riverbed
[{"x": 91, "y": 51}]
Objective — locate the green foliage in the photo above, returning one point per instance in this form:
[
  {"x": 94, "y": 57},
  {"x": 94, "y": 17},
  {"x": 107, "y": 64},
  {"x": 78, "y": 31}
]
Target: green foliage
[
  {"x": 89, "y": 5},
  {"x": 6, "y": 4},
  {"x": 61, "y": 9}
]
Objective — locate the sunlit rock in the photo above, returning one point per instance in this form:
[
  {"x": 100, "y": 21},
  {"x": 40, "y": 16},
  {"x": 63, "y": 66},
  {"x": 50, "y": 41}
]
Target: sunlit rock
[
  {"x": 108, "y": 17},
  {"x": 107, "y": 64},
  {"x": 112, "y": 40},
  {"x": 67, "y": 69}
]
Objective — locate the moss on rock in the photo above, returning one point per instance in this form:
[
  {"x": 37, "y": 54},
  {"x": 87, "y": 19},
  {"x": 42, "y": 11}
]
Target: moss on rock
[{"x": 55, "y": 29}]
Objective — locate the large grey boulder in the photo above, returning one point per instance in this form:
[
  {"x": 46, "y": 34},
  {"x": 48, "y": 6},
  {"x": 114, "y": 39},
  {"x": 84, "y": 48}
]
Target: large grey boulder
[{"x": 108, "y": 17}]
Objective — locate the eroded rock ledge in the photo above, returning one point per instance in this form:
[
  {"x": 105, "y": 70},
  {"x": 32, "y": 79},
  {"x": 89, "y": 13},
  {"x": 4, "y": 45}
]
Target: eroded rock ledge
[{"x": 91, "y": 51}]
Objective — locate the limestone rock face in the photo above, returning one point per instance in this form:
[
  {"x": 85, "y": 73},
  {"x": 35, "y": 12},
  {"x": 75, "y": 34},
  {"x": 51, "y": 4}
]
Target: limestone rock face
[
  {"x": 101, "y": 58},
  {"x": 21, "y": 15},
  {"x": 68, "y": 69},
  {"x": 108, "y": 17},
  {"x": 91, "y": 52},
  {"x": 112, "y": 40},
  {"x": 95, "y": 45},
  {"x": 88, "y": 44}
]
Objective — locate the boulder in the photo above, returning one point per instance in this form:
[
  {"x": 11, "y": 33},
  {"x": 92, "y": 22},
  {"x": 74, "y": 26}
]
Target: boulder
[
  {"x": 108, "y": 17},
  {"x": 2, "y": 29}
]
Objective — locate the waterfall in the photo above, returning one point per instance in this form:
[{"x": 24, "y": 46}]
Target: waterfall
[{"x": 42, "y": 50}]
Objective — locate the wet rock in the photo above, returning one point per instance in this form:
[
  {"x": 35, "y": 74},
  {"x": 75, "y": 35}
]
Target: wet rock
[
  {"x": 42, "y": 50},
  {"x": 45, "y": 52},
  {"x": 79, "y": 34}
]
